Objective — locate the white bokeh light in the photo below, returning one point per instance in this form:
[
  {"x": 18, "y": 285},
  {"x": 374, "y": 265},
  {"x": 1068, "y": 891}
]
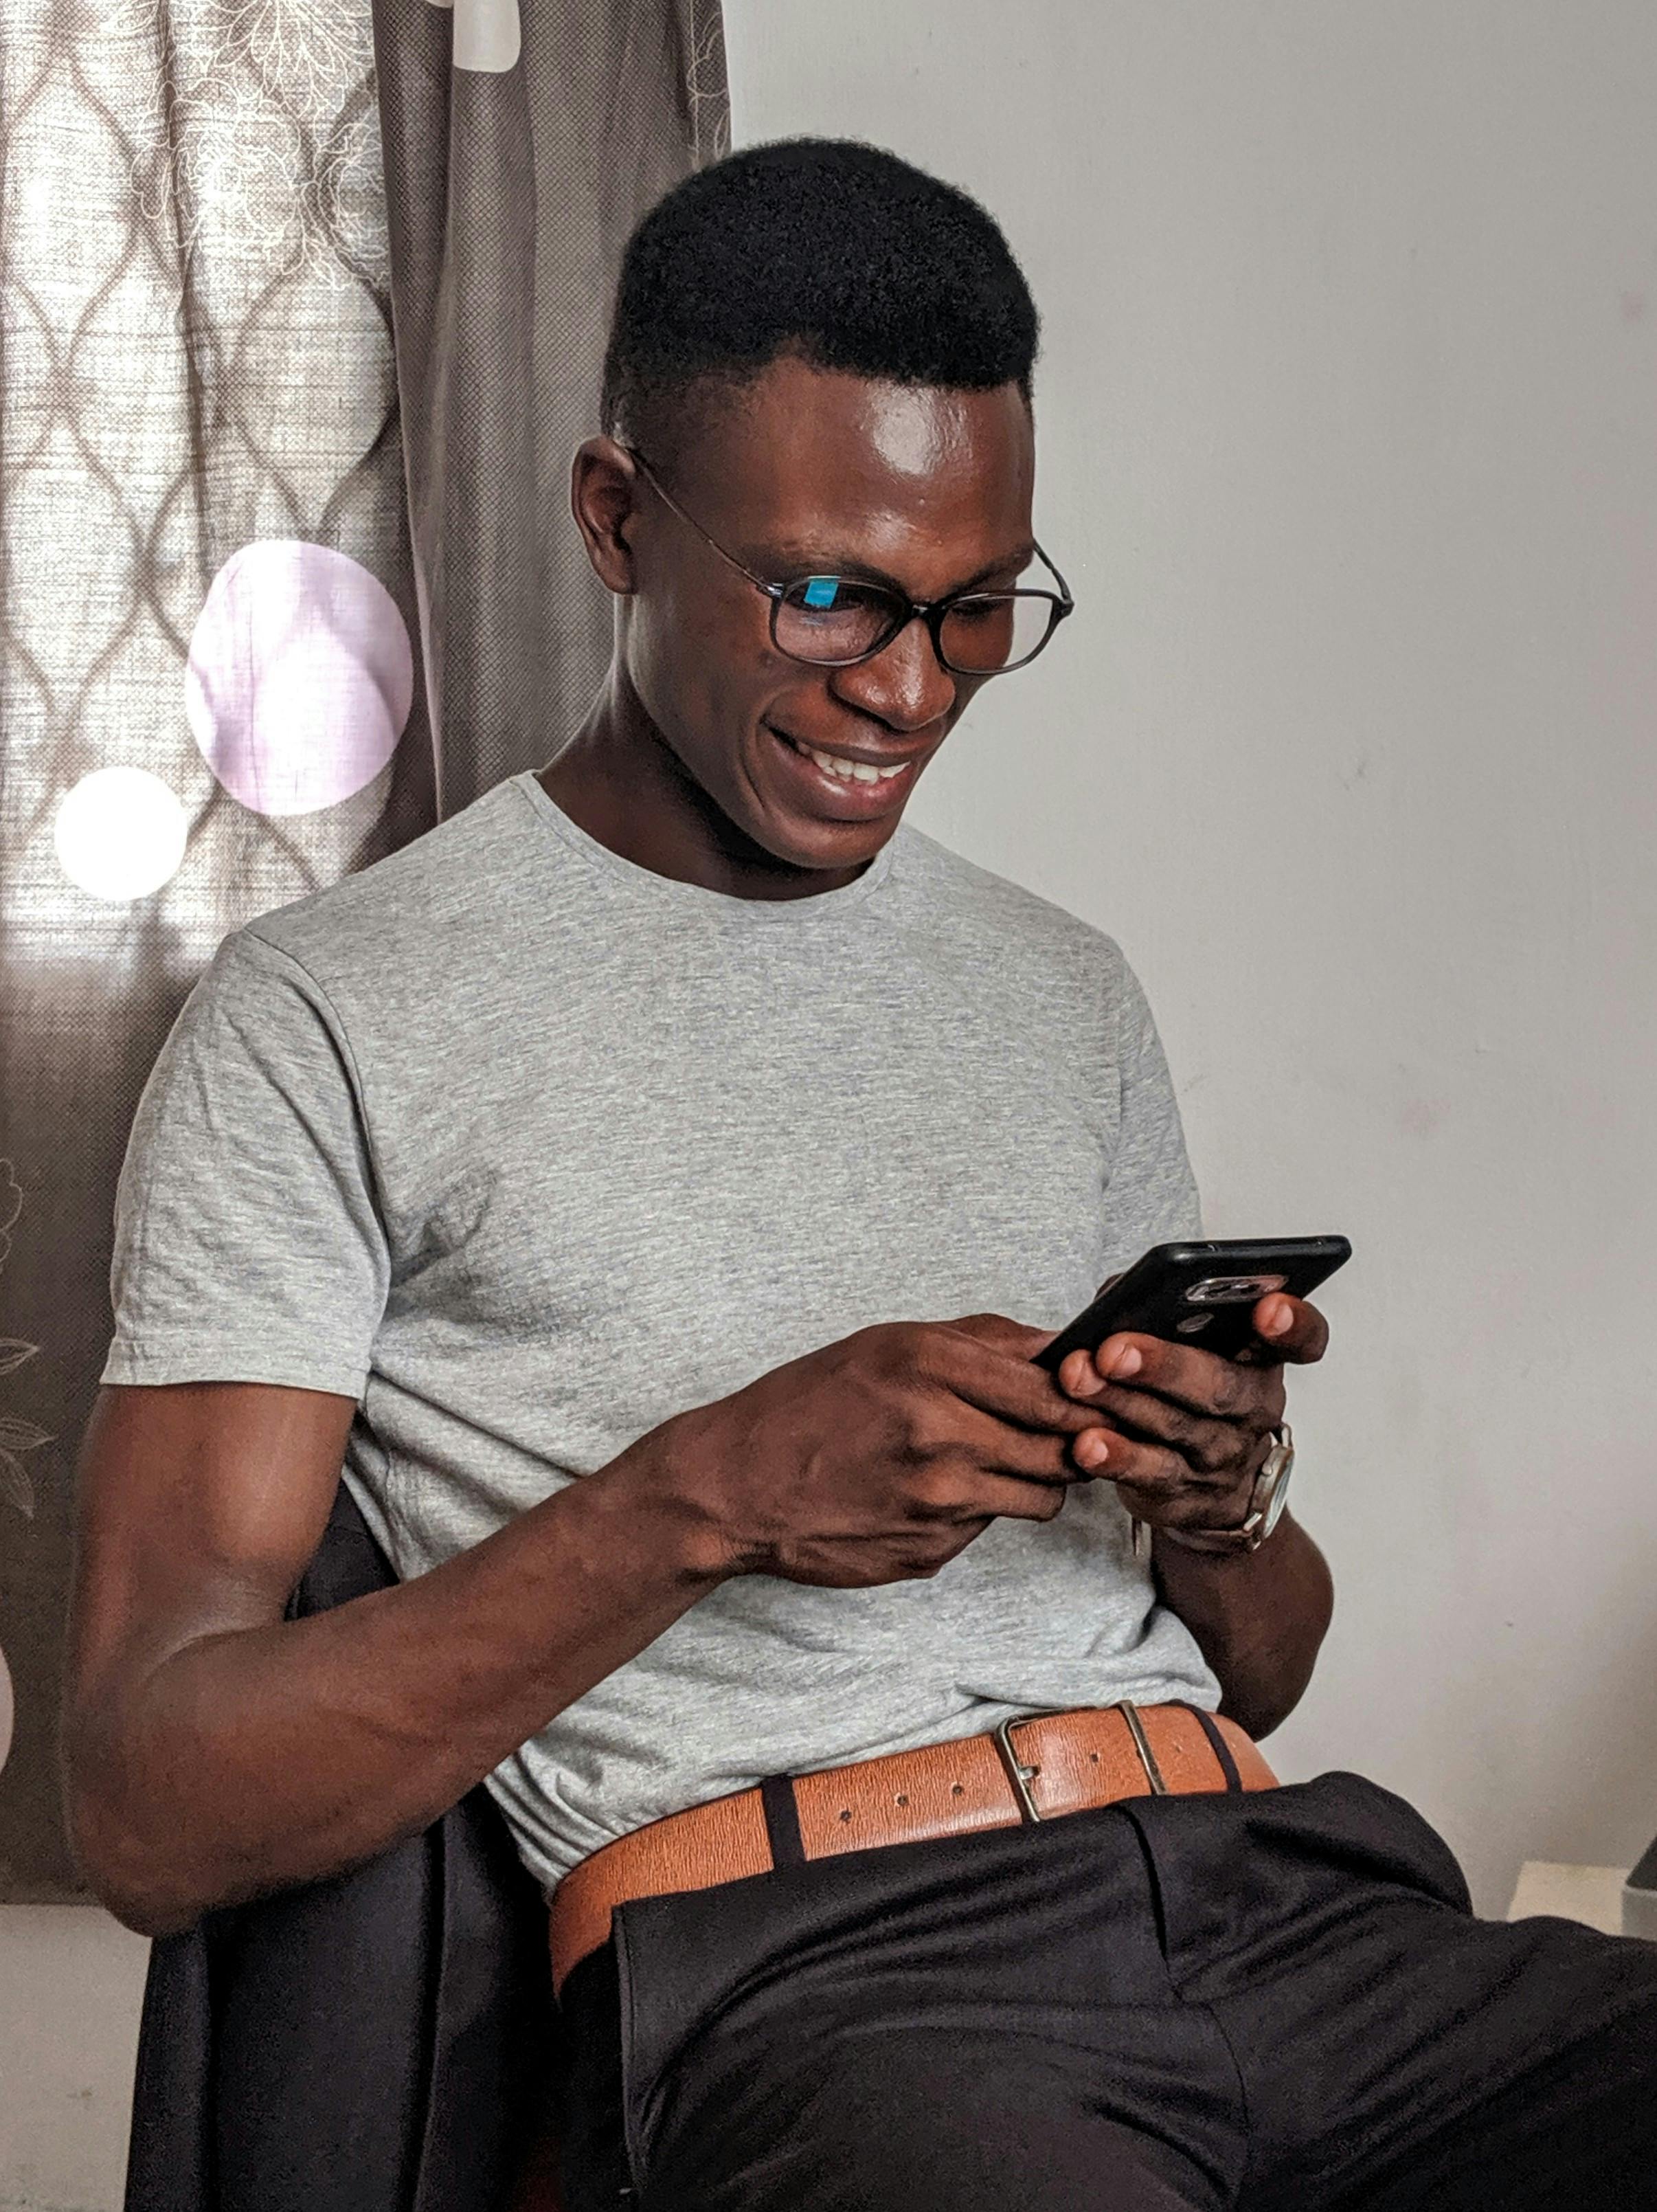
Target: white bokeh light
[
  {"x": 301, "y": 676},
  {"x": 120, "y": 834}
]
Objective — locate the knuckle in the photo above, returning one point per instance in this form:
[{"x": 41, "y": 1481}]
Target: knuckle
[
  {"x": 901, "y": 1347},
  {"x": 1177, "y": 1426},
  {"x": 926, "y": 1435},
  {"x": 933, "y": 1494},
  {"x": 1215, "y": 1452},
  {"x": 1234, "y": 1389}
]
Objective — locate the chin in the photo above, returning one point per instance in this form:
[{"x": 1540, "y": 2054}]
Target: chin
[{"x": 808, "y": 840}]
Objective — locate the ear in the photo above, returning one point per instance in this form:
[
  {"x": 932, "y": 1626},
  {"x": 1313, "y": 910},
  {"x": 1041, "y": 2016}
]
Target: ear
[{"x": 604, "y": 497}]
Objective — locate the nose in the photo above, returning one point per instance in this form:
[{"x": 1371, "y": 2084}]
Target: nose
[{"x": 905, "y": 685}]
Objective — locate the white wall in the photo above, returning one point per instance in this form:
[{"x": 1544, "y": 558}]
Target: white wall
[
  {"x": 1347, "y": 421},
  {"x": 1347, "y": 430},
  {"x": 71, "y": 1980}
]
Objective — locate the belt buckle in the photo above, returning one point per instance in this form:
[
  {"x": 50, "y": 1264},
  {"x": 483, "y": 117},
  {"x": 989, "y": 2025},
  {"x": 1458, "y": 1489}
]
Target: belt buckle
[
  {"x": 1018, "y": 1775},
  {"x": 1021, "y": 1777}
]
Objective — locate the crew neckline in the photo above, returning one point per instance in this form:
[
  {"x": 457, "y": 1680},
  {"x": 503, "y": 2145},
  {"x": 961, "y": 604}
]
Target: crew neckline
[{"x": 696, "y": 898}]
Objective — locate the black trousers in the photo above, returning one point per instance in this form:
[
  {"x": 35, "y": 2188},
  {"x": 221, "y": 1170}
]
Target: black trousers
[{"x": 1271, "y": 2000}]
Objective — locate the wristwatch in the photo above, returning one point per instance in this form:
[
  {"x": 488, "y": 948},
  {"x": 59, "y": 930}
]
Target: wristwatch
[{"x": 1266, "y": 1501}]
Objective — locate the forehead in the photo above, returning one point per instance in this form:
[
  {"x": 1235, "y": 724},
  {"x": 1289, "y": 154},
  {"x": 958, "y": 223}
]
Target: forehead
[{"x": 924, "y": 482}]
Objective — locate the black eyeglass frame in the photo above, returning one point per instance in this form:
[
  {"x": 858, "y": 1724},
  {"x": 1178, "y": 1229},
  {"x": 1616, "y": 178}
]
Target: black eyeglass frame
[{"x": 933, "y": 612}]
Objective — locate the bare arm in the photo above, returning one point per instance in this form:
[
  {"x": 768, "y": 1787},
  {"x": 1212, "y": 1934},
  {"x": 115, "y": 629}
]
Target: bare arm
[
  {"x": 216, "y": 1750},
  {"x": 1258, "y": 1619}
]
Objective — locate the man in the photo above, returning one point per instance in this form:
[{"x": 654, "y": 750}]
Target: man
[{"x": 589, "y": 1180}]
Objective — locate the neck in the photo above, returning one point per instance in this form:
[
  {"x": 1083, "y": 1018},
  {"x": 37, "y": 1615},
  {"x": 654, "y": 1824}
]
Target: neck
[{"x": 619, "y": 781}]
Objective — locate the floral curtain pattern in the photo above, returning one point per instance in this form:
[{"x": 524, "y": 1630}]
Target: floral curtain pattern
[{"x": 214, "y": 625}]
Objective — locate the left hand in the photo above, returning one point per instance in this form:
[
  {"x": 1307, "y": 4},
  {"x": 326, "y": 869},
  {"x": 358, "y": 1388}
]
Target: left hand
[{"x": 1185, "y": 1432}]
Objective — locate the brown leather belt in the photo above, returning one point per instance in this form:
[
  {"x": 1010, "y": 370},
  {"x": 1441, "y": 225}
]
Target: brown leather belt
[{"x": 1026, "y": 1771}]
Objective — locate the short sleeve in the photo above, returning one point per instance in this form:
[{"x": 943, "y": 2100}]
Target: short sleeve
[
  {"x": 1151, "y": 1198},
  {"x": 248, "y": 1246}
]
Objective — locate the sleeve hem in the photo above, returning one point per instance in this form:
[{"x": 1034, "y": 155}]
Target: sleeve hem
[{"x": 181, "y": 1360}]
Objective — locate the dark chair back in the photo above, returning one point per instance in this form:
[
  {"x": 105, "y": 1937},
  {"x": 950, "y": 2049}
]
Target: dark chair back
[{"x": 380, "y": 2042}]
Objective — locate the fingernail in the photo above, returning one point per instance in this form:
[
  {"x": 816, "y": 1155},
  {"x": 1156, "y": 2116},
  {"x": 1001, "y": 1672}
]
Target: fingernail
[
  {"x": 1082, "y": 1376},
  {"x": 1091, "y": 1450},
  {"x": 1127, "y": 1362},
  {"x": 1281, "y": 1322}
]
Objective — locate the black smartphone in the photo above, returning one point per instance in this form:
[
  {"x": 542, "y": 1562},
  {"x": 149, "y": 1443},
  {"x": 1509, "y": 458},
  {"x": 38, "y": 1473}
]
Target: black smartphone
[{"x": 1201, "y": 1294}]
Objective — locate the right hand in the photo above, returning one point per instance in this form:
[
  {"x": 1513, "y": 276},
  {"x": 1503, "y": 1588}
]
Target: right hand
[{"x": 878, "y": 1458}]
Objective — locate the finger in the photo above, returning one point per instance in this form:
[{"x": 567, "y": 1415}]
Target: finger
[
  {"x": 1154, "y": 1472},
  {"x": 1289, "y": 1330},
  {"x": 1150, "y": 1485},
  {"x": 1004, "y": 1447},
  {"x": 1004, "y": 1496},
  {"x": 1005, "y": 1383},
  {"x": 1211, "y": 1446},
  {"x": 1199, "y": 1382}
]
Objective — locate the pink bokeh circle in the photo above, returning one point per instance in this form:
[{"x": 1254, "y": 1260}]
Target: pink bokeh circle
[{"x": 301, "y": 676}]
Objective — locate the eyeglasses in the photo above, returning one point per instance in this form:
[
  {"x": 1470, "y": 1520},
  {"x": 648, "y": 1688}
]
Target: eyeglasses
[{"x": 835, "y": 621}]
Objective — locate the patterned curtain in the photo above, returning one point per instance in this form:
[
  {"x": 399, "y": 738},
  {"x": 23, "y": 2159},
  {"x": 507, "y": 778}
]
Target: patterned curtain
[{"x": 227, "y": 672}]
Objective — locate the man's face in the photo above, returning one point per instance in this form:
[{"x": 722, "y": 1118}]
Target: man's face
[{"x": 813, "y": 473}]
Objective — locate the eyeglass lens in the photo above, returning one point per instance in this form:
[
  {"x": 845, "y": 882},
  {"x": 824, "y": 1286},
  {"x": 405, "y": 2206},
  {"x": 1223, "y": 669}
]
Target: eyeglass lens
[{"x": 835, "y": 618}]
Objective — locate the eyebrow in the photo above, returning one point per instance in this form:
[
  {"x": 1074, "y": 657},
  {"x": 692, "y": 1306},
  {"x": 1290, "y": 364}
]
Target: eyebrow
[{"x": 786, "y": 563}]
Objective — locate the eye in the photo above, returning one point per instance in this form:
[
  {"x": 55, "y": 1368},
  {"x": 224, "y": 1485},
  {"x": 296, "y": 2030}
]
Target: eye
[
  {"x": 833, "y": 602},
  {"x": 837, "y": 597},
  {"x": 834, "y": 618}
]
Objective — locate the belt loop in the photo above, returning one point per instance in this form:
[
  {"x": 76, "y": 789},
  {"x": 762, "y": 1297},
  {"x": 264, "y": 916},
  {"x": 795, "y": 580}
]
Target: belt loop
[
  {"x": 782, "y": 1810},
  {"x": 1217, "y": 1745},
  {"x": 1135, "y": 1728}
]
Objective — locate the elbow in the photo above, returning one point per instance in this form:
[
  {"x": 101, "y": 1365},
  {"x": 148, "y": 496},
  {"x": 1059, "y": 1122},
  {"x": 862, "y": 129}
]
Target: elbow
[
  {"x": 128, "y": 1880},
  {"x": 1259, "y": 1715},
  {"x": 131, "y": 1872}
]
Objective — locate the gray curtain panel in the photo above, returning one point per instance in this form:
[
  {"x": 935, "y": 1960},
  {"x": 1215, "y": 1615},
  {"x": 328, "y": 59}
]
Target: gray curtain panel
[
  {"x": 522, "y": 141},
  {"x": 213, "y": 631}
]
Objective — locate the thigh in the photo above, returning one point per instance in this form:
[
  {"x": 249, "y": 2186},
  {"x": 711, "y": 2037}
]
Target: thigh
[
  {"x": 974, "y": 2021},
  {"x": 1547, "y": 2101},
  {"x": 1439, "y": 2062},
  {"x": 984, "y": 2022},
  {"x": 1396, "y": 2051},
  {"x": 909, "y": 2119},
  {"x": 901, "y": 2118}
]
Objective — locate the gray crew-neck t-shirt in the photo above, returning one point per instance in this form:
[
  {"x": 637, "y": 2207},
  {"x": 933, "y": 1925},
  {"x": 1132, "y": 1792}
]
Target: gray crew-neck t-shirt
[{"x": 526, "y": 1149}]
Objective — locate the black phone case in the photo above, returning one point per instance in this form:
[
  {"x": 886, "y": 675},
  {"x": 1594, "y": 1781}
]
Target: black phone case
[{"x": 1201, "y": 1294}]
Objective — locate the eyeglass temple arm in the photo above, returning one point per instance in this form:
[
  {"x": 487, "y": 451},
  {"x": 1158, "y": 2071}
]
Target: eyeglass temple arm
[
  {"x": 771, "y": 591},
  {"x": 1064, "y": 587}
]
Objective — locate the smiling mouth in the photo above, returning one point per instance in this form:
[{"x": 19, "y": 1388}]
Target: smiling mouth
[{"x": 839, "y": 765}]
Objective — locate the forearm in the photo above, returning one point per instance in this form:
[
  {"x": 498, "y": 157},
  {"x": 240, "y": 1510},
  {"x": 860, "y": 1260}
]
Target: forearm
[
  {"x": 1258, "y": 1617},
  {"x": 256, "y": 1758}
]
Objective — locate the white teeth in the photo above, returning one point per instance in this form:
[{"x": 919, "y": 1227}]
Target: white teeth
[{"x": 851, "y": 771}]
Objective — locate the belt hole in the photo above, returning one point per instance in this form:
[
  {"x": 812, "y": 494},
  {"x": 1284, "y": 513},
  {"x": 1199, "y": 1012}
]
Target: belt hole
[
  {"x": 957, "y": 1789},
  {"x": 902, "y": 1798},
  {"x": 847, "y": 1815},
  {"x": 1093, "y": 1757}
]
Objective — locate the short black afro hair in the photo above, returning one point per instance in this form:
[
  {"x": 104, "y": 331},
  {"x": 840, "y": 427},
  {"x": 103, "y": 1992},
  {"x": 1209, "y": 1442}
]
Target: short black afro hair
[{"x": 824, "y": 248}]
